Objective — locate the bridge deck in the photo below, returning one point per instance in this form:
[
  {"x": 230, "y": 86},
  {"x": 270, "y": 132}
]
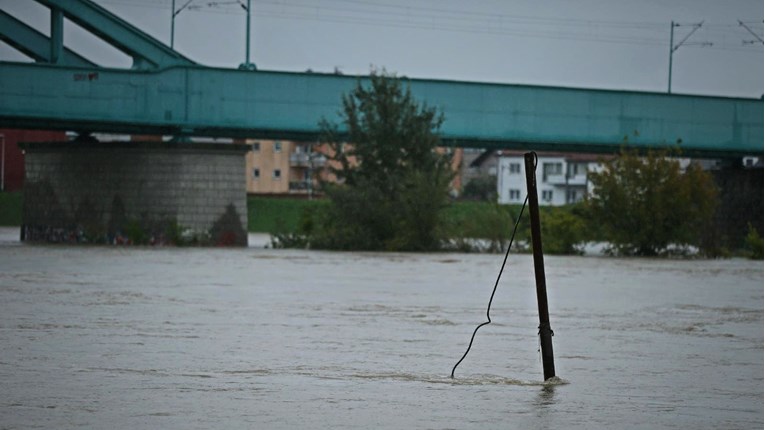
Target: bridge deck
[{"x": 202, "y": 101}]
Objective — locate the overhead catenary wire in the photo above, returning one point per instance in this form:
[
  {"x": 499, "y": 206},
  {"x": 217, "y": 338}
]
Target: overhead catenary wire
[{"x": 374, "y": 13}]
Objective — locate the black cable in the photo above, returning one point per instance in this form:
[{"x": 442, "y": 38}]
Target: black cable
[{"x": 507, "y": 253}]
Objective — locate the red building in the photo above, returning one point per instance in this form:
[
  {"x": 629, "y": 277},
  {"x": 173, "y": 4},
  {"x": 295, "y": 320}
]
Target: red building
[{"x": 11, "y": 157}]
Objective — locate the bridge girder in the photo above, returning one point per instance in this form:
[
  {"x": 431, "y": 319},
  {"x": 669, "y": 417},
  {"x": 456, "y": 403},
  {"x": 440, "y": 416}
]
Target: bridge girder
[
  {"x": 203, "y": 101},
  {"x": 147, "y": 52},
  {"x": 166, "y": 93},
  {"x": 34, "y": 44}
]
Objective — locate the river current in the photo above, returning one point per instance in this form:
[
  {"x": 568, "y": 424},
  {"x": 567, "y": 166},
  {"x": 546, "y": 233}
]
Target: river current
[{"x": 146, "y": 338}]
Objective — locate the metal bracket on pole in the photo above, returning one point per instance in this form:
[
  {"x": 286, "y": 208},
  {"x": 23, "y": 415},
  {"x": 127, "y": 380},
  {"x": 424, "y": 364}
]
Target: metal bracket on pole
[{"x": 545, "y": 332}]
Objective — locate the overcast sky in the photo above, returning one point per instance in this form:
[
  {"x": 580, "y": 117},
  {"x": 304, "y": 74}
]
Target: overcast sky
[{"x": 612, "y": 44}]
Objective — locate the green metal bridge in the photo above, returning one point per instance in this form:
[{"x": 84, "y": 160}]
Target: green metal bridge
[{"x": 166, "y": 93}]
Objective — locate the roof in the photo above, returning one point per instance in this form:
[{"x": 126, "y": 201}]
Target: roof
[{"x": 569, "y": 156}]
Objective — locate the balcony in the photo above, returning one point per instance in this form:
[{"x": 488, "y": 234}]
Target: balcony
[
  {"x": 299, "y": 185},
  {"x": 555, "y": 179},
  {"x": 304, "y": 159},
  {"x": 580, "y": 179}
]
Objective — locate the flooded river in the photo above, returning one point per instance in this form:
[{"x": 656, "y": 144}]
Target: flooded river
[{"x": 106, "y": 337}]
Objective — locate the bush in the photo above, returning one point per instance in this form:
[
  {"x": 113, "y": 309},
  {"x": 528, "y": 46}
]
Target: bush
[
  {"x": 646, "y": 204},
  {"x": 754, "y": 244},
  {"x": 483, "y": 188},
  {"x": 10, "y": 208},
  {"x": 563, "y": 232}
]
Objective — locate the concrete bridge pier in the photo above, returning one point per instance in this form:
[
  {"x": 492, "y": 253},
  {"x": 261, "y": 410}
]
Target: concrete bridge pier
[{"x": 140, "y": 193}]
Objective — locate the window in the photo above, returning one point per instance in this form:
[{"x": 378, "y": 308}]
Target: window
[
  {"x": 256, "y": 173},
  {"x": 547, "y": 195},
  {"x": 277, "y": 173},
  {"x": 571, "y": 196},
  {"x": 255, "y": 146},
  {"x": 515, "y": 195},
  {"x": 515, "y": 167},
  {"x": 573, "y": 170},
  {"x": 551, "y": 169},
  {"x": 277, "y": 146}
]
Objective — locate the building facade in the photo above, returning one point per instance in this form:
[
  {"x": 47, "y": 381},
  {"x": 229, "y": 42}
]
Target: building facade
[
  {"x": 288, "y": 168},
  {"x": 12, "y": 158},
  {"x": 283, "y": 167},
  {"x": 561, "y": 177}
]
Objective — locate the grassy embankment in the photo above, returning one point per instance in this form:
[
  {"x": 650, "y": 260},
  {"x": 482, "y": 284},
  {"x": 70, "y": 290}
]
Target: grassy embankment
[
  {"x": 268, "y": 215},
  {"x": 462, "y": 219},
  {"x": 10, "y": 209},
  {"x": 563, "y": 227},
  {"x": 265, "y": 214}
]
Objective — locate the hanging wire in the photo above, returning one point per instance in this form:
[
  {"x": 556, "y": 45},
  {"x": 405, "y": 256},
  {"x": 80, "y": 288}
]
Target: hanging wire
[{"x": 496, "y": 284}]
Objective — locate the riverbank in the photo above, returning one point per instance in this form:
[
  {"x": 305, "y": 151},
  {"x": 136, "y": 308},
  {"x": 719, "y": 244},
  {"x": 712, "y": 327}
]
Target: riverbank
[
  {"x": 284, "y": 215},
  {"x": 9, "y": 235},
  {"x": 472, "y": 225}
]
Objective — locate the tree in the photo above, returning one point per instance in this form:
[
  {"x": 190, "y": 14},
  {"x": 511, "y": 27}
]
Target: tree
[
  {"x": 644, "y": 204},
  {"x": 481, "y": 188},
  {"x": 392, "y": 181}
]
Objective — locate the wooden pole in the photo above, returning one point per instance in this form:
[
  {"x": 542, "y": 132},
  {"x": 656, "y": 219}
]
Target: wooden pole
[{"x": 545, "y": 332}]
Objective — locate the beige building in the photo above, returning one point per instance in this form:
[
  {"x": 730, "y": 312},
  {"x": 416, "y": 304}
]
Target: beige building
[{"x": 283, "y": 167}]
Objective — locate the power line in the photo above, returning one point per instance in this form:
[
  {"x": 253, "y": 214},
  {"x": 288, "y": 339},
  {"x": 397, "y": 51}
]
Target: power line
[
  {"x": 451, "y": 20},
  {"x": 750, "y": 31}
]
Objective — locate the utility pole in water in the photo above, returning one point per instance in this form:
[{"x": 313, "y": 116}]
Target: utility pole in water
[{"x": 545, "y": 332}]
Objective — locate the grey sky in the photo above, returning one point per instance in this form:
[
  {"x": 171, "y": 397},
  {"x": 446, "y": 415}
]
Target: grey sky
[{"x": 614, "y": 44}]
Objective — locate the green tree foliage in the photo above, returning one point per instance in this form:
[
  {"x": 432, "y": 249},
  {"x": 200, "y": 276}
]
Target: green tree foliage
[
  {"x": 563, "y": 231},
  {"x": 482, "y": 188},
  {"x": 754, "y": 244},
  {"x": 645, "y": 204},
  {"x": 393, "y": 182}
]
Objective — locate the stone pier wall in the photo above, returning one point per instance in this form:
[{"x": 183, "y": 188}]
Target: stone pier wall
[{"x": 135, "y": 193}]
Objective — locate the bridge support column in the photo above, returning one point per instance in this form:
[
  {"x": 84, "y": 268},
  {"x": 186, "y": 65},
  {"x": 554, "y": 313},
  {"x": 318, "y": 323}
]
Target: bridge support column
[{"x": 152, "y": 193}]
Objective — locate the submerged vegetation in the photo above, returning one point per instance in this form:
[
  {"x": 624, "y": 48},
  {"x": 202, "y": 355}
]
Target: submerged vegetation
[
  {"x": 643, "y": 205},
  {"x": 646, "y": 205}
]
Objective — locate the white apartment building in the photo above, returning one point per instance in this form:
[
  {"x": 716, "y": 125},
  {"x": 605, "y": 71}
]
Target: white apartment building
[{"x": 561, "y": 177}]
